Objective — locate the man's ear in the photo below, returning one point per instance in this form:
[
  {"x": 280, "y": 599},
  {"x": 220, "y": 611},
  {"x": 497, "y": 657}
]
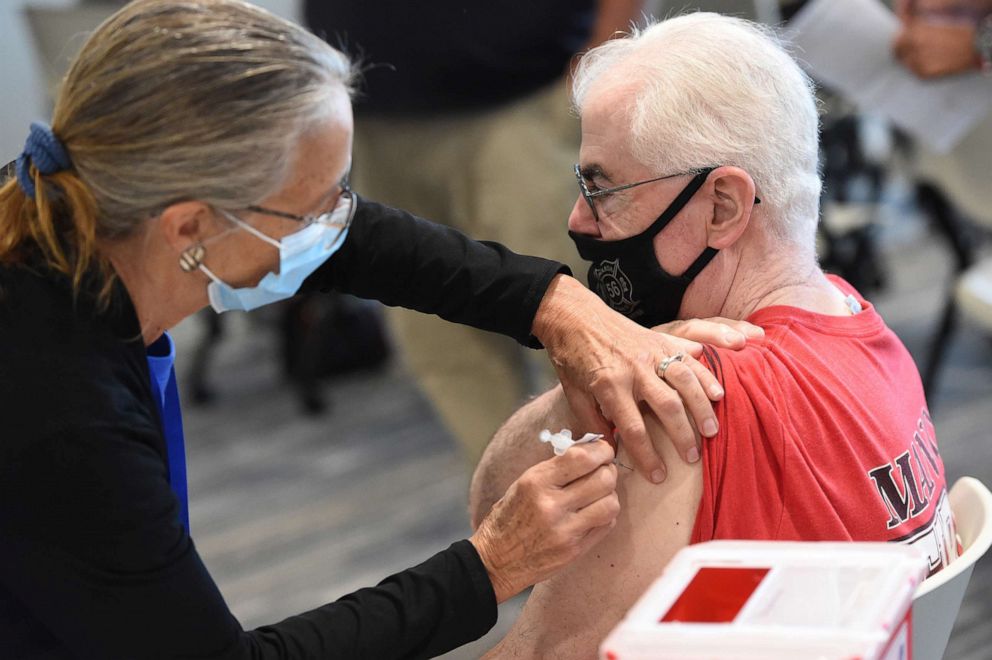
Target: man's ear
[
  {"x": 185, "y": 224},
  {"x": 733, "y": 199}
]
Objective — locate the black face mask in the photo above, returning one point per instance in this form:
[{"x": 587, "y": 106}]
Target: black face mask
[{"x": 626, "y": 273}]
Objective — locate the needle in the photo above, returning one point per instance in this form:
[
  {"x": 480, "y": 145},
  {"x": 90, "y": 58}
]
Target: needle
[{"x": 616, "y": 461}]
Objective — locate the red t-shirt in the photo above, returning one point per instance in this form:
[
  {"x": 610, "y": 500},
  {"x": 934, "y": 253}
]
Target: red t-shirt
[{"x": 824, "y": 435}]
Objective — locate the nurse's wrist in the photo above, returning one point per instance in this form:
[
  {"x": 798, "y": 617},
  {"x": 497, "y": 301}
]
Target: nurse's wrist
[
  {"x": 503, "y": 588},
  {"x": 552, "y": 319}
]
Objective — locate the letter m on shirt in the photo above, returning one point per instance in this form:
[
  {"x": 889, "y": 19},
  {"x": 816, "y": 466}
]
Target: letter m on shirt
[{"x": 905, "y": 502}]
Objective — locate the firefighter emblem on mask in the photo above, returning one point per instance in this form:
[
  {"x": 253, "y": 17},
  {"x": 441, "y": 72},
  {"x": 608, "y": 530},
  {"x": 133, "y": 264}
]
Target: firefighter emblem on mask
[{"x": 614, "y": 287}]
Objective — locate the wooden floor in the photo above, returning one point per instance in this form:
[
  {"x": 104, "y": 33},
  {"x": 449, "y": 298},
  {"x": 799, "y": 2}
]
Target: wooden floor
[{"x": 290, "y": 511}]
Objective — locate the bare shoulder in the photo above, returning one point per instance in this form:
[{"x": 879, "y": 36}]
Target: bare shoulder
[
  {"x": 569, "y": 614},
  {"x": 514, "y": 449}
]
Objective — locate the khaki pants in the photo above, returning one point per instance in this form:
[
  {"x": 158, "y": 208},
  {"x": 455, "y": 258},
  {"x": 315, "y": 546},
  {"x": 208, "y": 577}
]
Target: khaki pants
[{"x": 503, "y": 175}]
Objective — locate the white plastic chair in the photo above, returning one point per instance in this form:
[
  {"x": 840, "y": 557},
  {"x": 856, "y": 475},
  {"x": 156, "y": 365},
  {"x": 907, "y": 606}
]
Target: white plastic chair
[{"x": 938, "y": 599}]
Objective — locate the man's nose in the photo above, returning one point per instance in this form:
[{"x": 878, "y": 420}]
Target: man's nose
[{"x": 581, "y": 220}]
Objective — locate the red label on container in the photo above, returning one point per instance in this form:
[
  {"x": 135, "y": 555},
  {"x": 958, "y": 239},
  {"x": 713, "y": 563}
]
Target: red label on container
[{"x": 715, "y": 595}]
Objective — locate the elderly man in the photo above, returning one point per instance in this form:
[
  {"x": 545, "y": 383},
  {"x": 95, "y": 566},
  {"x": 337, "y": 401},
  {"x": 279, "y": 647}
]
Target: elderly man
[{"x": 824, "y": 431}]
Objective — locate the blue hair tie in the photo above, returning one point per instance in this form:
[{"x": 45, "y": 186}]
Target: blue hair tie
[{"x": 46, "y": 152}]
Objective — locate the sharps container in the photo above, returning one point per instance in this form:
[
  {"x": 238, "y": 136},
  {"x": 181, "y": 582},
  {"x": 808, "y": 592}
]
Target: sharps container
[{"x": 769, "y": 600}]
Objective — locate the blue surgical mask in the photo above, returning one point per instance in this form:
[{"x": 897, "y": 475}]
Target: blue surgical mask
[{"x": 300, "y": 254}]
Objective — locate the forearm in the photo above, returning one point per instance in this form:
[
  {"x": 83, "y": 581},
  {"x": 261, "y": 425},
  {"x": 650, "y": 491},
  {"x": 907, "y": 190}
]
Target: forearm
[
  {"x": 121, "y": 585},
  {"x": 406, "y": 261},
  {"x": 514, "y": 448},
  {"x": 422, "y": 612}
]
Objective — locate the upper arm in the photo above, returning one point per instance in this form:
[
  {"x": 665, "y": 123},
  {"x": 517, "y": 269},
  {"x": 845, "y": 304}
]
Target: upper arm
[
  {"x": 569, "y": 614},
  {"x": 514, "y": 448},
  {"x": 401, "y": 260}
]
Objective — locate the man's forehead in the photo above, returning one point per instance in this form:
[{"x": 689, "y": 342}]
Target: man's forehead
[
  {"x": 606, "y": 127},
  {"x": 610, "y": 98}
]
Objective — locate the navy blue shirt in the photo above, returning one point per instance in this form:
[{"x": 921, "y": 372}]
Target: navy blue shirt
[{"x": 430, "y": 56}]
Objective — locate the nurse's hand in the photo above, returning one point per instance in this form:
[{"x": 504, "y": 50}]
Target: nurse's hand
[
  {"x": 554, "y": 512},
  {"x": 716, "y": 331},
  {"x": 608, "y": 367}
]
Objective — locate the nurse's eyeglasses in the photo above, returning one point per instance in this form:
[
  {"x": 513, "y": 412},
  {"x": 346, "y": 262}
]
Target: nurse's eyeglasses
[{"x": 346, "y": 196}]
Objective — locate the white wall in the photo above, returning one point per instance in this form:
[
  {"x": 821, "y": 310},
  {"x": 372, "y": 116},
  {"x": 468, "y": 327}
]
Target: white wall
[
  {"x": 22, "y": 83},
  {"x": 20, "y": 88}
]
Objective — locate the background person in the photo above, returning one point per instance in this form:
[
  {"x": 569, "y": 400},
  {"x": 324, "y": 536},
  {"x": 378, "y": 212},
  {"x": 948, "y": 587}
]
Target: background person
[{"x": 944, "y": 37}]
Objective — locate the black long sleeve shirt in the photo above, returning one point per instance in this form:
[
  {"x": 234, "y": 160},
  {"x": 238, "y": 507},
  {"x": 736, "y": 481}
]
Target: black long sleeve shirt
[
  {"x": 405, "y": 261},
  {"x": 437, "y": 56},
  {"x": 93, "y": 560}
]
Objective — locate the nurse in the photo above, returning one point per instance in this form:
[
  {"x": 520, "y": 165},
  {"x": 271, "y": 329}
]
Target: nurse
[{"x": 199, "y": 154}]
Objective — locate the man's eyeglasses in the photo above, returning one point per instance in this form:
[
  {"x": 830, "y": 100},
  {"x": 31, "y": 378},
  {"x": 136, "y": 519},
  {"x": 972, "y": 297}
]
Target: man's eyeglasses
[{"x": 591, "y": 195}]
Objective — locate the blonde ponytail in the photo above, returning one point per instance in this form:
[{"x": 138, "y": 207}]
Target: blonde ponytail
[{"x": 59, "y": 225}]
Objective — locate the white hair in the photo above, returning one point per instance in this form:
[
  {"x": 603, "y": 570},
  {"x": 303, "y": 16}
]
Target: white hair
[{"x": 713, "y": 90}]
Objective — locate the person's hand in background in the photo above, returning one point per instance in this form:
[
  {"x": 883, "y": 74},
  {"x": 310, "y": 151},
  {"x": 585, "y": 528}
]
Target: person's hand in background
[
  {"x": 938, "y": 37},
  {"x": 933, "y": 49}
]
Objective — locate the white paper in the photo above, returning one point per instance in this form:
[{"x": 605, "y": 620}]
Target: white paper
[{"x": 847, "y": 45}]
